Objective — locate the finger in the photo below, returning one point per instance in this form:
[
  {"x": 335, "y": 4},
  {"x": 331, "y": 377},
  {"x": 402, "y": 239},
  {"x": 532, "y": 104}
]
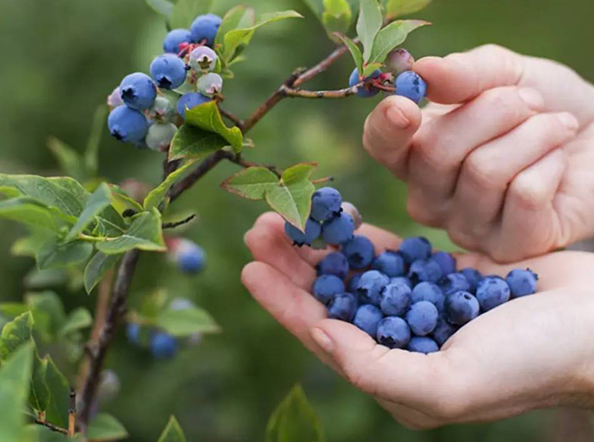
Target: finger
[
  {"x": 461, "y": 77},
  {"x": 441, "y": 145},
  {"x": 389, "y": 130},
  {"x": 489, "y": 169}
]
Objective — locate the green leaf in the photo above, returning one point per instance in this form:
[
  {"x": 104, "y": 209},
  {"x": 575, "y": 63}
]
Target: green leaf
[
  {"x": 185, "y": 11},
  {"x": 15, "y": 376},
  {"x": 251, "y": 183},
  {"x": 392, "y": 36},
  {"x": 105, "y": 428},
  {"x": 397, "y": 8},
  {"x": 294, "y": 420},
  {"x": 368, "y": 25},
  {"x": 97, "y": 267},
  {"x": 29, "y": 245},
  {"x": 370, "y": 68},
  {"x": 192, "y": 142},
  {"x": 172, "y": 432},
  {"x": 145, "y": 233},
  {"x": 96, "y": 203},
  {"x": 55, "y": 255},
  {"x": 57, "y": 411},
  {"x": 354, "y": 50},
  {"x": 297, "y": 173},
  {"x": 337, "y": 16},
  {"x": 163, "y": 7},
  {"x": 41, "y": 395},
  {"x": 208, "y": 117},
  {"x": 187, "y": 322},
  {"x": 91, "y": 155},
  {"x": 156, "y": 196},
  {"x": 122, "y": 202},
  {"x": 68, "y": 159},
  {"x": 32, "y": 213},
  {"x": 240, "y": 16},
  {"x": 14, "y": 334},
  {"x": 77, "y": 320},
  {"x": 49, "y": 304}
]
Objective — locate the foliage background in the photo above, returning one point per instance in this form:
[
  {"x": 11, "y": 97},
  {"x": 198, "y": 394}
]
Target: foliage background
[{"x": 60, "y": 60}]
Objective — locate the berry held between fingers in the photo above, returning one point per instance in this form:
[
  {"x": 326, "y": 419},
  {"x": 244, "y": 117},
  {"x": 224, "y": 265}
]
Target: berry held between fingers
[{"x": 410, "y": 85}]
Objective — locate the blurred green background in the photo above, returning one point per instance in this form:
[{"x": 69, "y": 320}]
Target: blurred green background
[{"x": 61, "y": 58}]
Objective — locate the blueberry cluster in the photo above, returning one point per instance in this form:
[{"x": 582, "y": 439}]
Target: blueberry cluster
[
  {"x": 142, "y": 114},
  {"x": 407, "y": 83},
  {"x": 411, "y": 298}
]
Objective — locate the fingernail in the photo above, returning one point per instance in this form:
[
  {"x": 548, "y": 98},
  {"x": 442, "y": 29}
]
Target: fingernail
[
  {"x": 397, "y": 118},
  {"x": 569, "y": 121},
  {"x": 322, "y": 340},
  {"x": 532, "y": 98}
]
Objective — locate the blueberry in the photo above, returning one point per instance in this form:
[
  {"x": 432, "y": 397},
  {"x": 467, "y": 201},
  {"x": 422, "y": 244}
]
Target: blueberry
[
  {"x": 393, "y": 332},
  {"x": 161, "y": 110},
  {"x": 425, "y": 270},
  {"x": 390, "y": 263},
  {"x": 427, "y": 291},
  {"x": 325, "y": 204},
  {"x": 160, "y": 135},
  {"x": 299, "y": 238},
  {"x": 334, "y": 264},
  {"x": 359, "y": 251},
  {"x": 422, "y": 318},
  {"x": 163, "y": 345},
  {"x": 461, "y": 307},
  {"x": 343, "y": 307},
  {"x": 410, "y": 85},
  {"x": 190, "y": 257},
  {"x": 133, "y": 333},
  {"x": 352, "y": 286},
  {"x": 492, "y": 292},
  {"x": 210, "y": 84},
  {"x": 454, "y": 282},
  {"x": 367, "y": 319},
  {"x": 138, "y": 91},
  {"x": 413, "y": 249},
  {"x": 370, "y": 286},
  {"x": 522, "y": 282},
  {"x": 422, "y": 345},
  {"x": 127, "y": 124},
  {"x": 395, "y": 299},
  {"x": 115, "y": 99},
  {"x": 205, "y": 27},
  {"x": 446, "y": 261},
  {"x": 168, "y": 71},
  {"x": 203, "y": 59},
  {"x": 354, "y": 212},
  {"x": 338, "y": 230},
  {"x": 366, "y": 90},
  {"x": 400, "y": 60},
  {"x": 175, "y": 38},
  {"x": 443, "y": 331},
  {"x": 190, "y": 101},
  {"x": 326, "y": 287},
  {"x": 402, "y": 280},
  {"x": 473, "y": 276}
]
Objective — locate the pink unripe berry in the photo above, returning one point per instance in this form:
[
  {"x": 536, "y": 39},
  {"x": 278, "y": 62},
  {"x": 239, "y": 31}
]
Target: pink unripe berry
[{"x": 400, "y": 60}]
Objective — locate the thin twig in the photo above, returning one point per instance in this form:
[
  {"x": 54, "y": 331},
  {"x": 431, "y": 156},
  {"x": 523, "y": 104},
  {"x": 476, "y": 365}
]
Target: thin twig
[
  {"x": 322, "y": 66},
  {"x": 336, "y": 94},
  {"x": 72, "y": 414},
  {"x": 203, "y": 168},
  {"x": 182, "y": 222},
  {"x": 327, "y": 179},
  {"x": 52, "y": 427},
  {"x": 231, "y": 117}
]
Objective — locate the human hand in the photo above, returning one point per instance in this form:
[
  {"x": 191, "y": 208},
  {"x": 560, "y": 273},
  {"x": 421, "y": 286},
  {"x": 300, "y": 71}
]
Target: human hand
[
  {"x": 504, "y": 163},
  {"x": 533, "y": 352}
]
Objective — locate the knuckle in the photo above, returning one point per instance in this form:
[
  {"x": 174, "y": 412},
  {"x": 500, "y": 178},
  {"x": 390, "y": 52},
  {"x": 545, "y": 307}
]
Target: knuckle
[
  {"x": 527, "y": 193},
  {"x": 481, "y": 168},
  {"x": 506, "y": 102},
  {"x": 421, "y": 212}
]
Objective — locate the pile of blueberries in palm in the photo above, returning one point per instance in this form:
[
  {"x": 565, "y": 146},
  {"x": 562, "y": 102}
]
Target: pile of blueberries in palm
[
  {"x": 410, "y": 298},
  {"x": 142, "y": 113}
]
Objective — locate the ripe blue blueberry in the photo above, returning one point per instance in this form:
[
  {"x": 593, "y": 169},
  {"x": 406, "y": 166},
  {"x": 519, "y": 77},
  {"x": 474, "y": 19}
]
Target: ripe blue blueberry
[
  {"x": 190, "y": 257},
  {"x": 299, "y": 238},
  {"x": 425, "y": 270},
  {"x": 370, "y": 286},
  {"x": 343, "y": 307},
  {"x": 413, "y": 249},
  {"x": 446, "y": 261},
  {"x": 159, "y": 136},
  {"x": 522, "y": 282},
  {"x": 461, "y": 308},
  {"x": 492, "y": 292},
  {"x": 210, "y": 84},
  {"x": 366, "y": 90},
  {"x": 163, "y": 345},
  {"x": 190, "y": 101},
  {"x": 352, "y": 285},
  {"x": 138, "y": 91},
  {"x": 454, "y": 282},
  {"x": 205, "y": 27},
  {"x": 334, "y": 264},
  {"x": 393, "y": 332},
  {"x": 359, "y": 251},
  {"x": 395, "y": 299},
  {"x": 168, "y": 71},
  {"x": 354, "y": 212},
  {"x": 422, "y": 318},
  {"x": 175, "y": 38},
  {"x": 400, "y": 60},
  {"x": 473, "y": 276},
  {"x": 367, "y": 319},
  {"x": 326, "y": 287},
  {"x": 338, "y": 230},
  {"x": 133, "y": 333},
  {"x": 410, "y": 85},
  {"x": 427, "y": 291},
  {"x": 127, "y": 124},
  {"x": 325, "y": 204},
  {"x": 443, "y": 331},
  {"x": 390, "y": 263},
  {"x": 422, "y": 344},
  {"x": 402, "y": 280},
  {"x": 203, "y": 59}
]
